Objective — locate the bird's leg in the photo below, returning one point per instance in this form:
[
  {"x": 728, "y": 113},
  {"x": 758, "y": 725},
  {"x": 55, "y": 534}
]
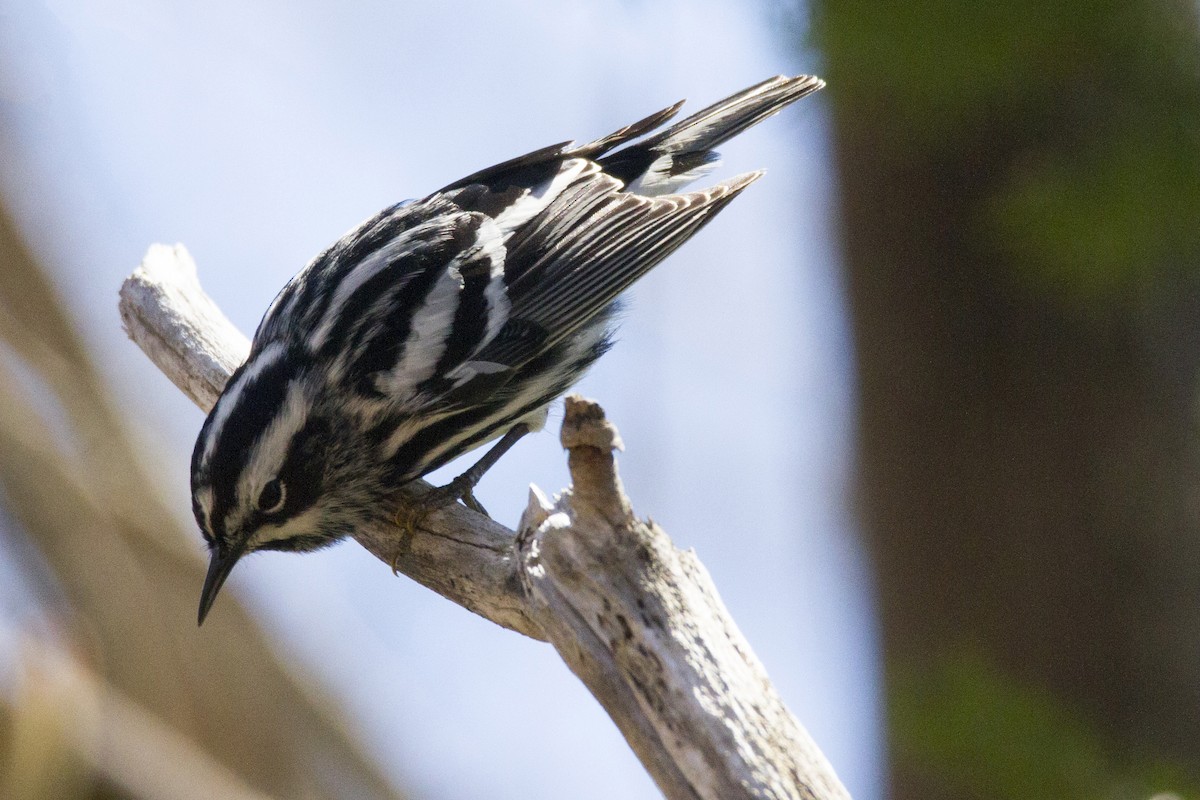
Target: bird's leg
[{"x": 462, "y": 487}]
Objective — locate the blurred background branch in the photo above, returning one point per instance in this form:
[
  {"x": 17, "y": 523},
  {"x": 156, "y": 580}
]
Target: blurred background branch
[{"x": 123, "y": 583}]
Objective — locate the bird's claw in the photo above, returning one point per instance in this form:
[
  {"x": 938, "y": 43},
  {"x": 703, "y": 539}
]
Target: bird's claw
[
  {"x": 414, "y": 512},
  {"x": 471, "y": 502}
]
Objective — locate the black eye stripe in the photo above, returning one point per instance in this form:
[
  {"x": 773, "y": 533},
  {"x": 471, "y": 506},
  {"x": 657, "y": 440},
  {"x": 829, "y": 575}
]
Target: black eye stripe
[{"x": 258, "y": 402}]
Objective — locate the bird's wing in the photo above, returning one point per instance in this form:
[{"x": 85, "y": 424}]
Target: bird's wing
[
  {"x": 586, "y": 246},
  {"x": 465, "y": 287}
]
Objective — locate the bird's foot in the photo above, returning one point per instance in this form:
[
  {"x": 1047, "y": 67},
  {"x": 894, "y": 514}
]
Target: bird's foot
[{"x": 414, "y": 512}]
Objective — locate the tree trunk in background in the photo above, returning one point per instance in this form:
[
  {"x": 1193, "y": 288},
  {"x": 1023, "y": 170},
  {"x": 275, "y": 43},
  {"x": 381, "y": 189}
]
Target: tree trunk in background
[{"x": 1020, "y": 214}]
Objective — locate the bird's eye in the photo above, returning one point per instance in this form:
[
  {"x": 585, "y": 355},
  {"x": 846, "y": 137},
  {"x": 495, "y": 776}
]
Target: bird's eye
[{"x": 271, "y": 498}]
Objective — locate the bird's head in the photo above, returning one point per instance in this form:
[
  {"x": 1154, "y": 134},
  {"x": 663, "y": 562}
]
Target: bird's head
[{"x": 265, "y": 471}]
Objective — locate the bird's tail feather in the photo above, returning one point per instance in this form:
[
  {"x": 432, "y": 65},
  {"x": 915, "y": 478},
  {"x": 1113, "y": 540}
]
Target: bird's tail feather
[{"x": 666, "y": 161}]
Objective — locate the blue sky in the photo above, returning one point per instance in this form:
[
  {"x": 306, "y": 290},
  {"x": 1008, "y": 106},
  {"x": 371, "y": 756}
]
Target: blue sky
[{"x": 257, "y": 132}]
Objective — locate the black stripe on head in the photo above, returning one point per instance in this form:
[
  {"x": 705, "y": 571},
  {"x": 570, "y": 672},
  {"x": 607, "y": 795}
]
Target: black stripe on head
[
  {"x": 303, "y": 470},
  {"x": 258, "y": 399}
]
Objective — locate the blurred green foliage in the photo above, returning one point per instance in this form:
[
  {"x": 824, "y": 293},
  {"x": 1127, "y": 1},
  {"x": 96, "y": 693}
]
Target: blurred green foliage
[
  {"x": 1119, "y": 213},
  {"x": 1004, "y": 165},
  {"x": 970, "y": 723},
  {"x": 1077, "y": 121}
]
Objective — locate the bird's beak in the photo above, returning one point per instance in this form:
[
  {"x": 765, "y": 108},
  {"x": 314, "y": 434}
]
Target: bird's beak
[{"x": 219, "y": 568}]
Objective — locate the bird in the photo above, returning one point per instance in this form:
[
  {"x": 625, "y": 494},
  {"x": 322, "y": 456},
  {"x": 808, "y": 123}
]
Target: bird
[{"x": 441, "y": 324}]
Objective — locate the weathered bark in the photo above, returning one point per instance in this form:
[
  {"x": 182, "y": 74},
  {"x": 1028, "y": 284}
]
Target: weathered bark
[{"x": 637, "y": 620}]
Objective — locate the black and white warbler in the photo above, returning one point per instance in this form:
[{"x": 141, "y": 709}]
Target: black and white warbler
[{"x": 440, "y": 324}]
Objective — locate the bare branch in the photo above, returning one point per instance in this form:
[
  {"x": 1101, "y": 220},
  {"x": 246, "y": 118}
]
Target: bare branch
[
  {"x": 168, "y": 315},
  {"x": 639, "y": 621}
]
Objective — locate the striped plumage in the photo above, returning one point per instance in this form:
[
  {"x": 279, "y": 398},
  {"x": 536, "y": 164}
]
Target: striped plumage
[{"x": 442, "y": 323}]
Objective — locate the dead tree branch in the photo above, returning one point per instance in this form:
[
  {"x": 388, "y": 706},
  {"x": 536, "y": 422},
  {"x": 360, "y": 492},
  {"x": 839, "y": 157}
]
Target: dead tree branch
[{"x": 637, "y": 620}]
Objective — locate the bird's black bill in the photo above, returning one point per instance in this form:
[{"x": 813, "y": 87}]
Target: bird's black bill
[{"x": 219, "y": 568}]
